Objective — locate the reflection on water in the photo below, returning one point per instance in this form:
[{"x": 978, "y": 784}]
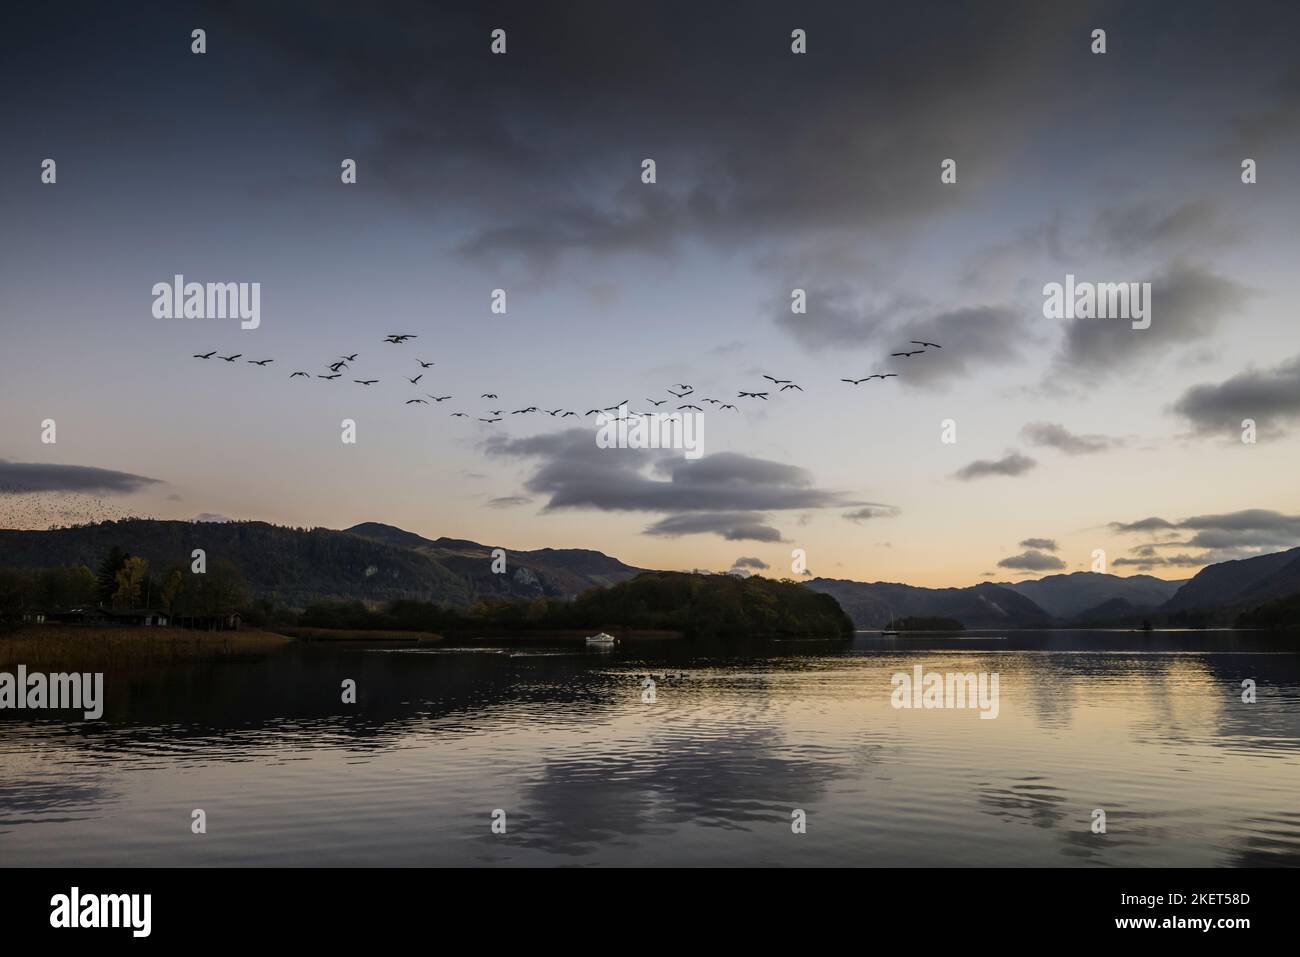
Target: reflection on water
[{"x": 1150, "y": 728}]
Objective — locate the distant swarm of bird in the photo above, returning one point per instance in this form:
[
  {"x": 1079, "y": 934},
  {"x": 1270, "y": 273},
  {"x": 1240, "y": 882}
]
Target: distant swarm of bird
[{"x": 678, "y": 390}]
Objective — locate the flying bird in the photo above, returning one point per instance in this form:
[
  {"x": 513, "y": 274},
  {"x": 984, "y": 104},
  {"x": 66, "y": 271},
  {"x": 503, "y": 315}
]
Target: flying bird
[
  {"x": 295, "y": 375},
  {"x": 857, "y": 381},
  {"x": 777, "y": 381},
  {"x": 488, "y": 395},
  {"x": 423, "y": 364},
  {"x": 207, "y": 355},
  {"x": 334, "y": 376},
  {"x": 230, "y": 358},
  {"x": 660, "y": 402},
  {"x": 400, "y": 338},
  {"x": 914, "y": 352},
  {"x": 922, "y": 342},
  {"x": 695, "y": 407},
  {"x": 680, "y": 395},
  {"x": 567, "y": 414},
  {"x": 791, "y": 385},
  {"x": 259, "y": 362},
  {"x": 462, "y": 415},
  {"x": 416, "y": 402},
  {"x": 438, "y": 398},
  {"x": 351, "y": 358},
  {"x": 752, "y": 395},
  {"x": 416, "y": 379},
  {"x": 336, "y": 366},
  {"x": 490, "y": 420},
  {"x": 365, "y": 381},
  {"x": 728, "y": 406}
]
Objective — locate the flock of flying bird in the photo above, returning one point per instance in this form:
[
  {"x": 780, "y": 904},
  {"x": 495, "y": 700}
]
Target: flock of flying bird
[{"x": 496, "y": 415}]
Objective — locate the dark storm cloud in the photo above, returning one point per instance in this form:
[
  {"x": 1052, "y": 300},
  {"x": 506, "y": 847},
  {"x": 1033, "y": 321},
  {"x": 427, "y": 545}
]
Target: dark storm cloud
[
  {"x": 1188, "y": 304},
  {"x": 1137, "y": 227},
  {"x": 1053, "y": 435},
  {"x": 1033, "y": 561},
  {"x": 1041, "y": 544},
  {"x": 724, "y": 494},
  {"x": 43, "y": 477},
  {"x": 751, "y": 141},
  {"x": 1271, "y": 397},
  {"x": 1013, "y": 463},
  {"x": 744, "y": 562}
]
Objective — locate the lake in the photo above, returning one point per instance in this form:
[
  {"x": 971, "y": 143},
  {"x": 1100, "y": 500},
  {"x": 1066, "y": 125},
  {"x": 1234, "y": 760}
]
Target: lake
[{"x": 1149, "y": 729}]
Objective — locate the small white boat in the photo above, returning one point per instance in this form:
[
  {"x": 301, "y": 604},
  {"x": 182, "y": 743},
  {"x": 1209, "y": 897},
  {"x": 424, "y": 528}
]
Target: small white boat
[{"x": 602, "y": 639}]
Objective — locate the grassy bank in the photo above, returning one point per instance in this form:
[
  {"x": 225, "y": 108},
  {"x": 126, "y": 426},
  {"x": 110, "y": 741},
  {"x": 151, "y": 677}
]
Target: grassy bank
[{"x": 84, "y": 648}]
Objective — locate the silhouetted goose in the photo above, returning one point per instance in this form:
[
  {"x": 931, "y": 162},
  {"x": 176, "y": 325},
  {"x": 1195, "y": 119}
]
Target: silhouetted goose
[
  {"x": 423, "y": 364},
  {"x": 791, "y": 385},
  {"x": 400, "y": 338},
  {"x": 752, "y": 395},
  {"x": 660, "y": 402},
  {"x": 416, "y": 379},
  {"x": 489, "y": 395},
  {"x": 294, "y": 375},
  {"x": 416, "y": 402},
  {"x": 922, "y": 342},
  {"x": 904, "y": 355},
  {"x": 438, "y": 398},
  {"x": 489, "y": 420},
  {"x": 695, "y": 407},
  {"x": 260, "y": 362},
  {"x": 334, "y": 376},
  {"x": 365, "y": 381},
  {"x": 230, "y": 358},
  {"x": 777, "y": 381},
  {"x": 207, "y": 355},
  {"x": 351, "y": 358}
]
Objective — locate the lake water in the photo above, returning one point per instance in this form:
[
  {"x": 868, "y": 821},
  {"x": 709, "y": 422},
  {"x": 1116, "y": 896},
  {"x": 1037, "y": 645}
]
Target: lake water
[{"x": 1151, "y": 729}]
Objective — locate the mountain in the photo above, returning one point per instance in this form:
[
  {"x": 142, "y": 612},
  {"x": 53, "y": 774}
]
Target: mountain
[
  {"x": 297, "y": 566},
  {"x": 875, "y": 604},
  {"x": 557, "y": 572},
  {"x": 1069, "y": 596},
  {"x": 1239, "y": 585}
]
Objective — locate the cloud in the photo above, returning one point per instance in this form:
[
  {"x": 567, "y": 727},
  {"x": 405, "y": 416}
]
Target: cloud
[
  {"x": 1222, "y": 537},
  {"x": 733, "y": 526},
  {"x": 508, "y": 501},
  {"x": 1139, "y": 226},
  {"x": 1271, "y": 397},
  {"x": 1013, "y": 463},
  {"x": 868, "y": 512},
  {"x": 1052, "y": 435},
  {"x": 726, "y": 493},
  {"x": 1033, "y": 561},
  {"x": 44, "y": 477},
  {"x": 1044, "y": 544},
  {"x": 750, "y": 563},
  {"x": 1188, "y": 303}
]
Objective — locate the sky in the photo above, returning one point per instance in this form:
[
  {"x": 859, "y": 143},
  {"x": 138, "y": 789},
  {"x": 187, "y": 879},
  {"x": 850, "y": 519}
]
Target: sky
[{"x": 774, "y": 171}]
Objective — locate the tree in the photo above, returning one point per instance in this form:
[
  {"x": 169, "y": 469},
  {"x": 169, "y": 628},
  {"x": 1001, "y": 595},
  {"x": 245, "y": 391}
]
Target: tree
[
  {"x": 129, "y": 579},
  {"x": 107, "y": 578}
]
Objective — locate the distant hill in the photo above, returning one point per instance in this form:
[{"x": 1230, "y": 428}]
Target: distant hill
[
  {"x": 553, "y": 572},
  {"x": 875, "y": 604},
  {"x": 1070, "y": 596},
  {"x": 1239, "y": 586},
  {"x": 297, "y": 566}
]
